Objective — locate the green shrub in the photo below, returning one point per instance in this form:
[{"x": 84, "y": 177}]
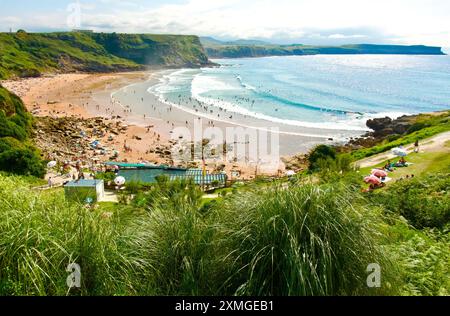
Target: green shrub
[
  {"x": 424, "y": 258},
  {"x": 339, "y": 164},
  {"x": 320, "y": 153},
  {"x": 417, "y": 127},
  {"x": 16, "y": 154},
  {"x": 8, "y": 143},
  {"x": 22, "y": 162},
  {"x": 106, "y": 176},
  {"x": 134, "y": 187},
  {"x": 15, "y": 121},
  {"x": 166, "y": 193}
]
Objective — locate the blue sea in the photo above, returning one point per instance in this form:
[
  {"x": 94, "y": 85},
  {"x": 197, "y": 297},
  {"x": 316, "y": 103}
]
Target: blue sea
[{"x": 325, "y": 92}]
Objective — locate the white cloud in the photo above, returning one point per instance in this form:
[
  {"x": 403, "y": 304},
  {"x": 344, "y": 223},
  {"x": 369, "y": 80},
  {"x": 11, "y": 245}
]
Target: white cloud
[
  {"x": 342, "y": 36},
  {"x": 399, "y": 21}
]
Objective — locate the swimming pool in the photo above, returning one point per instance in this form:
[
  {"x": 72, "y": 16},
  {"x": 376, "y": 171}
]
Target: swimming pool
[{"x": 150, "y": 175}]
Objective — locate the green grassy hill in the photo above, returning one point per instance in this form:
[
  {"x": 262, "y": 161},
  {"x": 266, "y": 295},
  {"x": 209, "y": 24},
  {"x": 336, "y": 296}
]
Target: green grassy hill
[{"x": 31, "y": 54}]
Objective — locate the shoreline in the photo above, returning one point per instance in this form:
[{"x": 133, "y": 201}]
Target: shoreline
[
  {"x": 293, "y": 139},
  {"x": 149, "y": 126},
  {"x": 71, "y": 98}
]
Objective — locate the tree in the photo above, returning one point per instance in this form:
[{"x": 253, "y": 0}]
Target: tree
[
  {"x": 22, "y": 162},
  {"x": 320, "y": 153}
]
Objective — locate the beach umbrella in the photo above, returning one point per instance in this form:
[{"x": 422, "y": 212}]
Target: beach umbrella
[
  {"x": 290, "y": 173},
  {"x": 400, "y": 152},
  {"x": 372, "y": 180},
  {"x": 120, "y": 181},
  {"x": 379, "y": 173},
  {"x": 51, "y": 164}
]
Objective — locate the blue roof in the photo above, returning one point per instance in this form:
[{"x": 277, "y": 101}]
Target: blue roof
[
  {"x": 83, "y": 183},
  {"x": 200, "y": 179}
]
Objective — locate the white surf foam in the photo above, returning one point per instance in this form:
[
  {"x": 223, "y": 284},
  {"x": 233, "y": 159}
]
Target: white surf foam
[{"x": 201, "y": 85}]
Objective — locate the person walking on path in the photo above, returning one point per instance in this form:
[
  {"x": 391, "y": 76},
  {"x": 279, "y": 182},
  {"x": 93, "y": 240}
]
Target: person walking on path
[{"x": 416, "y": 147}]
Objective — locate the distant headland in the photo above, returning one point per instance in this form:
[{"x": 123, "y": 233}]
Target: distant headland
[{"x": 250, "y": 48}]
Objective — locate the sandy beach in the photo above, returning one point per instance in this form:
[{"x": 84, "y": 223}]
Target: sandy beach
[
  {"x": 122, "y": 98},
  {"x": 89, "y": 96},
  {"x": 71, "y": 95}
]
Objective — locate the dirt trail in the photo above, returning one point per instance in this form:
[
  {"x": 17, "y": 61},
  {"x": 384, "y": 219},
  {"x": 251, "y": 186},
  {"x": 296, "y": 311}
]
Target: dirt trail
[{"x": 433, "y": 144}]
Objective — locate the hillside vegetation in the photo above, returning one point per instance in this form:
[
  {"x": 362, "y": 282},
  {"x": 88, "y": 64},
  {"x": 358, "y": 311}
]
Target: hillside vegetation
[
  {"x": 32, "y": 54},
  {"x": 17, "y": 153},
  {"x": 293, "y": 238}
]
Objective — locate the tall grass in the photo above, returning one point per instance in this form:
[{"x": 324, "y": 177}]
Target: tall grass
[
  {"x": 310, "y": 240},
  {"x": 42, "y": 234},
  {"x": 177, "y": 241},
  {"x": 424, "y": 256},
  {"x": 178, "y": 244}
]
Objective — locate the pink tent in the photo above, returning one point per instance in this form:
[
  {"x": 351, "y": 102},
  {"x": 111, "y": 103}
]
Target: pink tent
[
  {"x": 372, "y": 180},
  {"x": 379, "y": 173}
]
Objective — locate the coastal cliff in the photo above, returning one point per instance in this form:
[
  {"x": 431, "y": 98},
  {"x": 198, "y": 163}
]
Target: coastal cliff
[
  {"x": 241, "y": 49},
  {"x": 33, "y": 54}
]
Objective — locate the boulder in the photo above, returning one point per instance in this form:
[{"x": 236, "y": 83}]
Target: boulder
[
  {"x": 379, "y": 124},
  {"x": 384, "y": 132},
  {"x": 401, "y": 128}
]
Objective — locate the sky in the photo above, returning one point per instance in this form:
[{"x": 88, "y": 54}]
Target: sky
[{"x": 319, "y": 22}]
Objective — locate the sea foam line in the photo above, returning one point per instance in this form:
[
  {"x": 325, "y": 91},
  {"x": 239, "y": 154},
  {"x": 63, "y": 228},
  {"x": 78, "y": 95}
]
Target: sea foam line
[{"x": 197, "y": 90}]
